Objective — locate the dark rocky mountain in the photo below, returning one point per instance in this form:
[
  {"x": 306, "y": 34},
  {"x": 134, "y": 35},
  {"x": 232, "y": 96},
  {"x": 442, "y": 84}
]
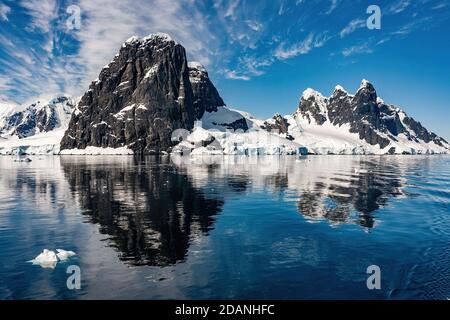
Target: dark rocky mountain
[
  {"x": 206, "y": 96},
  {"x": 37, "y": 118},
  {"x": 141, "y": 97},
  {"x": 376, "y": 122}
]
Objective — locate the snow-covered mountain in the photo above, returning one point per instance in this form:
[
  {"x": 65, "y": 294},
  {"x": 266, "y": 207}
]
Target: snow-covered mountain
[
  {"x": 340, "y": 124},
  {"x": 35, "y": 128},
  {"x": 359, "y": 124}
]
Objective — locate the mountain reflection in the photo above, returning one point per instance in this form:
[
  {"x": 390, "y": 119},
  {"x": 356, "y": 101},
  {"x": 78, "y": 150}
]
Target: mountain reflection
[
  {"x": 150, "y": 211},
  {"x": 153, "y": 209},
  {"x": 338, "y": 189}
]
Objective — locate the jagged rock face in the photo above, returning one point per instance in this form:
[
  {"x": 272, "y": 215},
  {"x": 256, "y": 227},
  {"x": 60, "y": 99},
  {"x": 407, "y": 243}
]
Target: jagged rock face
[
  {"x": 312, "y": 106},
  {"x": 206, "y": 97},
  {"x": 361, "y": 112},
  {"x": 422, "y": 133},
  {"x": 140, "y": 98},
  {"x": 38, "y": 117},
  {"x": 368, "y": 116},
  {"x": 279, "y": 125}
]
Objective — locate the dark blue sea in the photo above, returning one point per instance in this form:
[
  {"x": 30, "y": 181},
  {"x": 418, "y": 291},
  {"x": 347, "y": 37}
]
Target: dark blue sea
[{"x": 226, "y": 227}]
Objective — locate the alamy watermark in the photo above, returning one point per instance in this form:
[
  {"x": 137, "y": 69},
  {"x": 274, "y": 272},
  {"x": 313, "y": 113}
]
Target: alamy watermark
[
  {"x": 374, "y": 280},
  {"x": 374, "y": 20},
  {"x": 73, "y": 22},
  {"x": 74, "y": 280}
]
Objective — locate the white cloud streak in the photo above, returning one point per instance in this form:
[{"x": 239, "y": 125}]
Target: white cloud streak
[
  {"x": 333, "y": 6},
  {"x": 231, "y": 74},
  {"x": 358, "y": 49},
  {"x": 4, "y": 11},
  {"x": 399, "y": 6},
  {"x": 284, "y": 52},
  {"x": 352, "y": 26}
]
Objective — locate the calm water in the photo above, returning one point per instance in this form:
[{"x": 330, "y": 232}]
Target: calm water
[{"x": 232, "y": 227}]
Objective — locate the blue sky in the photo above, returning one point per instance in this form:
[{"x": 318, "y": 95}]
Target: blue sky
[{"x": 261, "y": 55}]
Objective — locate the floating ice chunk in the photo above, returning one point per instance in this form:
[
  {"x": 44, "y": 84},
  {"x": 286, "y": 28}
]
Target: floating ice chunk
[
  {"x": 47, "y": 259},
  {"x": 64, "y": 255}
]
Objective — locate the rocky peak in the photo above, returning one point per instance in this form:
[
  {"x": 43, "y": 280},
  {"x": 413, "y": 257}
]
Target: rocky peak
[
  {"x": 206, "y": 96},
  {"x": 140, "y": 98},
  {"x": 339, "y": 92},
  {"x": 313, "y": 106},
  {"x": 366, "y": 93}
]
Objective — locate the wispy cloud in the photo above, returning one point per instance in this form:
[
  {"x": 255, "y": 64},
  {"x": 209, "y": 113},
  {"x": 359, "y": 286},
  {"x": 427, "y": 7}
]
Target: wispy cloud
[
  {"x": 333, "y": 6},
  {"x": 281, "y": 9},
  {"x": 231, "y": 9},
  {"x": 399, "y": 6},
  {"x": 358, "y": 49},
  {"x": 231, "y": 74},
  {"x": 439, "y": 6},
  {"x": 284, "y": 51},
  {"x": 4, "y": 11},
  {"x": 42, "y": 12},
  {"x": 352, "y": 26}
]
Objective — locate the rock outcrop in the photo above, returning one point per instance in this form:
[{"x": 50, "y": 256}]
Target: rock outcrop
[
  {"x": 140, "y": 98},
  {"x": 206, "y": 97}
]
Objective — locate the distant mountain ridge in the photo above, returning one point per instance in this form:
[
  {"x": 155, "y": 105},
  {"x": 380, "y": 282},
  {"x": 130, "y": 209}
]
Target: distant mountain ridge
[
  {"x": 38, "y": 117},
  {"x": 36, "y": 128},
  {"x": 382, "y": 127}
]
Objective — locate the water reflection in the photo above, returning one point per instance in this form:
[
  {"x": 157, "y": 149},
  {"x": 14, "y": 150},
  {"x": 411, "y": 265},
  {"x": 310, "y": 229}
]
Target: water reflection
[
  {"x": 337, "y": 189},
  {"x": 153, "y": 208},
  {"x": 151, "y": 211}
]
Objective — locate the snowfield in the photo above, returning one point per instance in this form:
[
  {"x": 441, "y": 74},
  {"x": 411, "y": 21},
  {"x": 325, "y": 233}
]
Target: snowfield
[{"x": 43, "y": 143}]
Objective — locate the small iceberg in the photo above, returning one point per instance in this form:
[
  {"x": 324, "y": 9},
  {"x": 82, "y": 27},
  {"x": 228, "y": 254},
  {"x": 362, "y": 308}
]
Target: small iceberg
[
  {"x": 64, "y": 255},
  {"x": 49, "y": 259}
]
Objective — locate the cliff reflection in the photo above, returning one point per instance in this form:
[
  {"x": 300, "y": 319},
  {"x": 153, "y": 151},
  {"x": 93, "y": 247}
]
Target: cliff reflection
[
  {"x": 338, "y": 189},
  {"x": 150, "y": 211},
  {"x": 153, "y": 209}
]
